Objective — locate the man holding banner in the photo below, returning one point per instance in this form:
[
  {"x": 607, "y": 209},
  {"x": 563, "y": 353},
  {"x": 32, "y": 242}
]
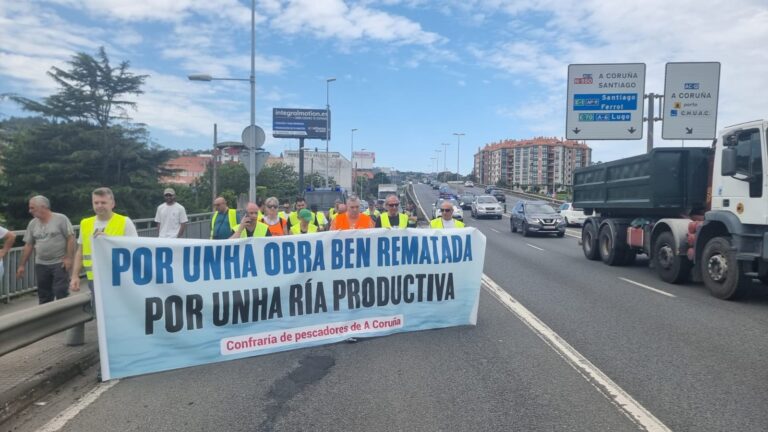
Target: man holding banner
[
  {"x": 446, "y": 219},
  {"x": 392, "y": 218},
  {"x": 352, "y": 218},
  {"x": 106, "y": 222},
  {"x": 250, "y": 225}
]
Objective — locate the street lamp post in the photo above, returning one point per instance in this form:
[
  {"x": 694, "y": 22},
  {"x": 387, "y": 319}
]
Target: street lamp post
[
  {"x": 328, "y": 82},
  {"x": 445, "y": 156},
  {"x": 252, "y": 80},
  {"x": 352, "y": 157},
  {"x": 458, "y": 148}
]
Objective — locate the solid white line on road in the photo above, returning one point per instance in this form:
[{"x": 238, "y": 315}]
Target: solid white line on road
[
  {"x": 68, "y": 414},
  {"x": 648, "y": 288},
  {"x": 615, "y": 394},
  {"x": 535, "y": 247},
  {"x": 495, "y": 230}
]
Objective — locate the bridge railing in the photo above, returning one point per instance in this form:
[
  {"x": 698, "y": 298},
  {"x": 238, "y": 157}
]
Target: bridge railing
[{"x": 199, "y": 226}]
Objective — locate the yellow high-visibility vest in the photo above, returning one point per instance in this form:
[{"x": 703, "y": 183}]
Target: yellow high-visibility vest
[
  {"x": 259, "y": 231},
  {"x": 401, "y": 223},
  {"x": 438, "y": 223},
  {"x": 115, "y": 227},
  {"x": 232, "y": 214},
  {"x": 296, "y": 229}
]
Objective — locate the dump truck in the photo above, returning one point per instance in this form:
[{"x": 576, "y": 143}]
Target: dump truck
[{"x": 697, "y": 213}]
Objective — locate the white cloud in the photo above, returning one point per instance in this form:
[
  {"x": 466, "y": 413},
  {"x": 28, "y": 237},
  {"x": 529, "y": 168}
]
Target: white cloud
[
  {"x": 164, "y": 10},
  {"x": 334, "y": 19}
]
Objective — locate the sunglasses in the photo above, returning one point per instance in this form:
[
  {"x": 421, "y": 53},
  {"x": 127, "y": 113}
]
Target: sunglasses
[
  {"x": 169, "y": 195},
  {"x": 446, "y": 210},
  {"x": 392, "y": 205},
  {"x": 272, "y": 206}
]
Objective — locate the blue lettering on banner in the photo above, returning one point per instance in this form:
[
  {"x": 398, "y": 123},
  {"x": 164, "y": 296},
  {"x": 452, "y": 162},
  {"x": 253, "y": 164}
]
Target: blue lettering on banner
[
  {"x": 605, "y": 102},
  {"x": 691, "y": 86}
]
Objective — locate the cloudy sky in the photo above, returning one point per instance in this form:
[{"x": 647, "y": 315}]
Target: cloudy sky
[{"x": 409, "y": 73}]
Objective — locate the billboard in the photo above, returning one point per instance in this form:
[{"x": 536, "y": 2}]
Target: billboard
[{"x": 300, "y": 123}]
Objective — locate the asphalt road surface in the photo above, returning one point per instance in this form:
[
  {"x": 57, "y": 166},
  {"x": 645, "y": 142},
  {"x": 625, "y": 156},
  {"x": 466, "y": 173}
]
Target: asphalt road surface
[{"x": 561, "y": 343}]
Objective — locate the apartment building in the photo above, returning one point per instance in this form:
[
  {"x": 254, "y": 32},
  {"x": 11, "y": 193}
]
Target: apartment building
[{"x": 547, "y": 163}]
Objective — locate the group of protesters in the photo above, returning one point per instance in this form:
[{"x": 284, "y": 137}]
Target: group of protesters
[
  {"x": 60, "y": 256},
  {"x": 269, "y": 220}
]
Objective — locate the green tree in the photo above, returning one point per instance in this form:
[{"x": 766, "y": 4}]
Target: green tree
[
  {"x": 280, "y": 180},
  {"x": 80, "y": 147},
  {"x": 91, "y": 90}
]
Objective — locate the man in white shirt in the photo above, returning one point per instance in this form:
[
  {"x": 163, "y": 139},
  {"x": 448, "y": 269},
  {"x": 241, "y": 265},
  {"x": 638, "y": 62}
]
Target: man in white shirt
[{"x": 171, "y": 217}]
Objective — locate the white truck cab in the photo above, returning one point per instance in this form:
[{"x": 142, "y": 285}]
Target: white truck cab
[{"x": 739, "y": 183}]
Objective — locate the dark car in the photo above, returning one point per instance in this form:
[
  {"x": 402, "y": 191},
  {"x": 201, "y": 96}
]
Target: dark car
[
  {"x": 489, "y": 189},
  {"x": 499, "y": 195},
  {"x": 530, "y": 217},
  {"x": 465, "y": 201},
  {"x": 447, "y": 192}
]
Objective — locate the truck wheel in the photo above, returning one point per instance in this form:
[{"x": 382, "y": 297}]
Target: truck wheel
[
  {"x": 589, "y": 242},
  {"x": 671, "y": 267},
  {"x": 720, "y": 270},
  {"x": 611, "y": 252}
]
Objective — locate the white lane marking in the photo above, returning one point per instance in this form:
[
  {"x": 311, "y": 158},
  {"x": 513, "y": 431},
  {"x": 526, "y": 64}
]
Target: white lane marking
[
  {"x": 609, "y": 389},
  {"x": 495, "y": 230},
  {"x": 571, "y": 235},
  {"x": 648, "y": 288},
  {"x": 68, "y": 414},
  {"x": 535, "y": 247}
]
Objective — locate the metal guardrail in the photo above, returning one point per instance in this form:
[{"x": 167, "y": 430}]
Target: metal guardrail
[
  {"x": 422, "y": 215},
  {"x": 525, "y": 194},
  {"x": 22, "y": 328},
  {"x": 199, "y": 226}
]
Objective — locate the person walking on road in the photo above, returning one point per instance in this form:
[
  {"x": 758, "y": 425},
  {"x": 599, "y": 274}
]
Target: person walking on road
[
  {"x": 224, "y": 220},
  {"x": 53, "y": 239},
  {"x": 8, "y": 239},
  {"x": 352, "y": 218},
  {"x": 371, "y": 211},
  {"x": 301, "y": 204},
  {"x": 277, "y": 225},
  {"x": 392, "y": 218},
  {"x": 250, "y": 224},
  {"x": 446, "y": 219},
  {"x": 305, "y": 225},
  {"x": 171, "y": 217},
  {"x": 106, "y": 222}
]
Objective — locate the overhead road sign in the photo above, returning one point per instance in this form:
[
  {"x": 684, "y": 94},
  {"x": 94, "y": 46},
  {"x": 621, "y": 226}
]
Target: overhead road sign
[
  {"x": 299, "y": 123},
  {"x": 605, "y": 101},
  {"x": 690, "y": 100}
]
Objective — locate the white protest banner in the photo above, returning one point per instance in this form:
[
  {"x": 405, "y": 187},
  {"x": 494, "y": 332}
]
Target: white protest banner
[{"x": 170, "y": 303}]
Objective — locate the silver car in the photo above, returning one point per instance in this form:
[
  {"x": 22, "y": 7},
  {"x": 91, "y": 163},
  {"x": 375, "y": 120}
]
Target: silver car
[{"x": 486, "y": 206}]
